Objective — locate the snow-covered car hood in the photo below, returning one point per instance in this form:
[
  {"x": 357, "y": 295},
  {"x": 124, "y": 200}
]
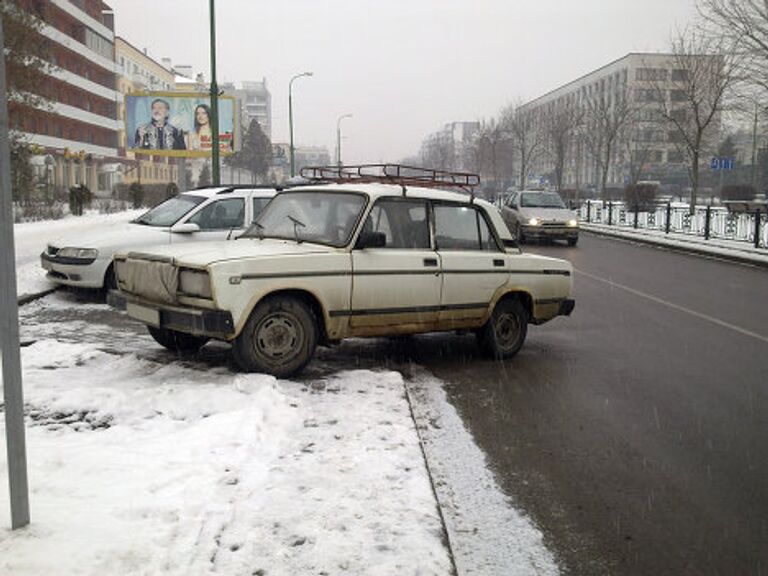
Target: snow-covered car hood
[
  {"x": 109, "y": 237},
  {"x": 556, "y": 214},
  {"x": 205, "y": 253}
]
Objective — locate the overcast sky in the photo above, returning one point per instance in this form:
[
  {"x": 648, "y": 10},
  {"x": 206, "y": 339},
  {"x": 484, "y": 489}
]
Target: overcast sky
[{"x": 402, "y": 67}]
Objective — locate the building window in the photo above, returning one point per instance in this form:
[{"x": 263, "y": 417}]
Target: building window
[
  {"x": 651, "y": 75},
  {"x": 677, "y": 95},
  {"x": 679, "y": 75}
]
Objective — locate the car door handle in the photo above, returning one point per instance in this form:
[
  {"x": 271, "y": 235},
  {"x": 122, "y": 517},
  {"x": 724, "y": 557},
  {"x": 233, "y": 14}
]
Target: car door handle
[
  {"x": 430, "y": 261},
  {"x": 498, "y": 262}
]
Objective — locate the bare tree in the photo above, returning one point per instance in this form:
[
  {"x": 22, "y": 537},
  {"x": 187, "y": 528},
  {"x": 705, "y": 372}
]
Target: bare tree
[
  {"x": 743, "y": 24},
  {"x": 525, "y": 135},
  {"x": 438, "y": 151},
  {"x": 560, "y": 127},
  {"x": 606, "y": 116},
  {"x": 694, "y": 96}
]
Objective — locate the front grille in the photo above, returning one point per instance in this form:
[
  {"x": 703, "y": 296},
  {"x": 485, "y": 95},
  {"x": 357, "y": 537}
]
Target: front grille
[
  {"x": 155, "y": 280},
  {"x": 553, "y": 224}
]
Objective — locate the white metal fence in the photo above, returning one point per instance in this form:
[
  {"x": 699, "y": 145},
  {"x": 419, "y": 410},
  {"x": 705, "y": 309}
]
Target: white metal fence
[{"x": 709, "y": 222}]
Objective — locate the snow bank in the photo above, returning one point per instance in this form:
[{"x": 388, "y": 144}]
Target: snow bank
[
  {"x": 140, "y": 466},
  {"x": 30, "y": 239}
]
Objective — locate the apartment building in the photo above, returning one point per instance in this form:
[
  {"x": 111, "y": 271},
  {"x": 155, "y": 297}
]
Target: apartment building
[
  {"x": 646, "y": 147},
  {"x": 447, "y": 148},
  {"x": 76, "y": 137},
  {"x": 138, "y": 72}
]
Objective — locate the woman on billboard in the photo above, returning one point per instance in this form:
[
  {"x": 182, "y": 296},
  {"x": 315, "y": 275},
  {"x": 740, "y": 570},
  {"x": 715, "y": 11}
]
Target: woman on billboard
[{"x": 201, "y": 137}]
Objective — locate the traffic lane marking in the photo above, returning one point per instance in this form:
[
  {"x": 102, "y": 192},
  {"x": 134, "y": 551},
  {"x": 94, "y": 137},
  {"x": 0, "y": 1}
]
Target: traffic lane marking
[{"x": 677, "y": 307}]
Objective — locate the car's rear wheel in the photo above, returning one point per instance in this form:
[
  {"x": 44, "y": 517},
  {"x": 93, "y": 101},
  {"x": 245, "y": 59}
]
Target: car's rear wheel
[
  {"x": 504, "y": 333},
  {"x": 279, "y": 338},
  {"x": 177, "y": 342}
]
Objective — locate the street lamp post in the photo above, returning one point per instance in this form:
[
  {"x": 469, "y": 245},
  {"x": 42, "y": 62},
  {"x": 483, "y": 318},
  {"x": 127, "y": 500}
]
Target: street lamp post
[
  {"x": 290, "y": 117},
  {"x": 338, "y": 138},
  {"x": 215, "y": 150}
]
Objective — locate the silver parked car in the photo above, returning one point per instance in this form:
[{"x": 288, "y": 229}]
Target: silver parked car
[{"x": 541, "y": 215}]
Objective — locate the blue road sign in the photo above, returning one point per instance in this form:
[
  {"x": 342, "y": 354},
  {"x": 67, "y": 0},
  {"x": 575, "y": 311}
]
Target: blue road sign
[{"x": 726, "y": 164}]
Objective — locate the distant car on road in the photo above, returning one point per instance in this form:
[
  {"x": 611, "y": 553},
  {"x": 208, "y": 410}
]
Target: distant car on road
[
  {"x": 212, "y": 213},
  {"x": 540, "y": 215},
  {"x": 323, "y": 263}
]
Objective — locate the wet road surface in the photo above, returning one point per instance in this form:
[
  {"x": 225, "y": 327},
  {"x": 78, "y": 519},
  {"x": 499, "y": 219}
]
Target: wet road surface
[{"x": 634, "y": 433}]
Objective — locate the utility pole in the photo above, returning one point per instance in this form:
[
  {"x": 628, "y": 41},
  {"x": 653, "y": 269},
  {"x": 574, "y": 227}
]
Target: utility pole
[
  {"x": 215, "y": 150},
  {"x": 338, "y": 138},
  {"x": 290, "y": 118},
  {"x": 754, "y": 149},
  {"x": 10, "y": 357}
]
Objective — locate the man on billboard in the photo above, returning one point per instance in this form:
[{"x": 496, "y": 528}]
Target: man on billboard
[{"x": 159, "y": 134}]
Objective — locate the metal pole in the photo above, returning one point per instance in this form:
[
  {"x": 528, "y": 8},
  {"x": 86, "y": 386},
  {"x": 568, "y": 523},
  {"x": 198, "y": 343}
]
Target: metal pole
[
  {"x": 215, "y": 151},
  {"x": 758, "y": 217},
  {"x": 10, "y": 358},
  {"x": 668, "y": 223},
  {"x": 338, "y": 138},
  {"x": 707, "y": 218},
  {"x": 754, "y": 149},
  {"x": 290, "y": 118},
  {"x": 290, "y": 125}
]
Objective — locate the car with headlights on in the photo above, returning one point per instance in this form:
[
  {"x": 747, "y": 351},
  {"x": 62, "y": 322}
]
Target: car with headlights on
[
  {"x": 531, "y": 214},
  {"x": 323, "y": 263},
  {"x": 211, "y": 213}
]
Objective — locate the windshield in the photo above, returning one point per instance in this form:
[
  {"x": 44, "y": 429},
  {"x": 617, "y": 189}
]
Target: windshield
[
  {"x": 320, "y": 217},
  {"x": 541, "y": 200},
  {"x": 170, "y": 211}
]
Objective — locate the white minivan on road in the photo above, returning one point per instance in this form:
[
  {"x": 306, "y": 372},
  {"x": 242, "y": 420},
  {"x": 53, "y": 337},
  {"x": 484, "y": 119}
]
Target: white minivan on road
[{"x": 213, "y": 213}]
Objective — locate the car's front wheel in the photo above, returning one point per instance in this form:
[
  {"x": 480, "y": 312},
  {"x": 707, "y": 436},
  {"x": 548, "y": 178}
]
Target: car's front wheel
[
  {"x": 177, "y": 341},
  {"x": 279, "y": 338},
  {"x": 504, "y": 333},
  {"x": 573, "y": 241}
]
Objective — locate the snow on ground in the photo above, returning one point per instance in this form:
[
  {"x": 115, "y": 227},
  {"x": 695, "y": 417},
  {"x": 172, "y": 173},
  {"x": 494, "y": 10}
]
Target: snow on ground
[
  {"x": 30, "y": 240},
  {"x": 715, "y": 247},
  {"x": 139, "y": 467},
  {"x": 487, "y": 534},
  {"x": 144, "y": 463}
]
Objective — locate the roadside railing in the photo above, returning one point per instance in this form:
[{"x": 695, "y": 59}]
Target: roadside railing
[{"x": 708, "y": 222}]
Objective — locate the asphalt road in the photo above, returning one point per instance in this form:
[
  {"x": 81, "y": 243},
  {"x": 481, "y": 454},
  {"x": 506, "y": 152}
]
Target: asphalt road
[{"x": 634, "y": 433}]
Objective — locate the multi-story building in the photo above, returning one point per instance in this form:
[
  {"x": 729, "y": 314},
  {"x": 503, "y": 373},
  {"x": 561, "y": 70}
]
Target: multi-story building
[
  {"x": 138, "y": 72},
  {"x": 255, "y": 103},
  {"x": 77, "y": 134},
  {"x": 446, "y": 149},
  {"x": 639, "y": 86}
]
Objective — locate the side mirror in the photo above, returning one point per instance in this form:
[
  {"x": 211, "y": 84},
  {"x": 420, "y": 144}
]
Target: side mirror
[
  {"x": 371, "y": 240},
  {"x": 185, "y": 228}
]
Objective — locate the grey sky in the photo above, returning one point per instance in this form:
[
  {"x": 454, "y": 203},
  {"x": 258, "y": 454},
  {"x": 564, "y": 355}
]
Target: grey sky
[{"x": 402, "y": 67}]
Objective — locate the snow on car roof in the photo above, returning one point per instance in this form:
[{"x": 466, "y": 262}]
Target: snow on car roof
[
  {"x": 212, "y": 191},
  {"x": 377, "y": 190}
]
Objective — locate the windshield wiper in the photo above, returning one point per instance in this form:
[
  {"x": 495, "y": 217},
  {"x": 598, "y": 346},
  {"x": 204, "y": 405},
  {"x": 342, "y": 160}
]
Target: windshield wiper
[
  {"x": 296, "y": 224},
  {"x": 260, "y": 228}
]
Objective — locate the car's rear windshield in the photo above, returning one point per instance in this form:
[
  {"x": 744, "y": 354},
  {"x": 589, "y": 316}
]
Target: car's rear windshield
[
  {"x": 321, "y": 217},
  {"x": 170, "y": 211},
  {"x": 541, "y": 200}
]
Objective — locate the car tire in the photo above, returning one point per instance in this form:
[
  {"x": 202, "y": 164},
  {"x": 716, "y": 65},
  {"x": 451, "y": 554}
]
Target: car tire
[
  {"x": 573, "y": 241},
  {"x": 504, "y": 333},
  {"x": 177, "y": 342},
  {"x": 279, "y": 337}
]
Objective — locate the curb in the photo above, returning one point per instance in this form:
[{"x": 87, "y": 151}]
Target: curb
[
  {"x": 27, "y": 298},
  {"x": 696, "y": 251}
]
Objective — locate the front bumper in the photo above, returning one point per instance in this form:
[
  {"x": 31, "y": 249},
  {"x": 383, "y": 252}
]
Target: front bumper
[
  {"x": 80, "y": 272},
  {"x": 212, "y": 323},
  {"x": 555, "y": 232}
]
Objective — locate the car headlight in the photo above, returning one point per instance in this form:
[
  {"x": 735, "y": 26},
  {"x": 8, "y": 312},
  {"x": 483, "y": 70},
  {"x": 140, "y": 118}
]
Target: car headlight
[
  {"x": 79, "y": 253},
  {"x": 533, "y": 222},
  {"x": 573, "y": 223},
  {"x": 195, "y": 283}
]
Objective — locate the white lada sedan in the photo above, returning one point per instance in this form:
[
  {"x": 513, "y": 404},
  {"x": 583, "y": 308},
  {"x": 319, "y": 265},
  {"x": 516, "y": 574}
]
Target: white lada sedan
[
  {"x": 329, "y": 262},
  {"x": 216, "y": 213}
]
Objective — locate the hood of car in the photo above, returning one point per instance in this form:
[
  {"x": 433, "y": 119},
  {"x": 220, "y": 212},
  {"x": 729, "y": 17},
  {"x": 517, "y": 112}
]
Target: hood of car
[
  {"x": 112, "y": 236},
  {"x": 547, "y": 214},
  {"x": 201, "y": 254}
]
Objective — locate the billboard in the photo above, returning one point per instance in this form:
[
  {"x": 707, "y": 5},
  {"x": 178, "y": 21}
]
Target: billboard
[{"x": 178, "y": 124}]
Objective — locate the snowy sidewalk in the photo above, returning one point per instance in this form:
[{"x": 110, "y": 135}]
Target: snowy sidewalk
[
  {"x": 717, "y": 248},
  {"x": 140, "y": 467}
]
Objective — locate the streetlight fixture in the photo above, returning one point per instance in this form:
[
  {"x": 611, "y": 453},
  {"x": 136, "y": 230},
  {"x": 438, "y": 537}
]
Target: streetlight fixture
[
  {"x": 215, "y": 150},
  {"x": 338, "y": 137},
  {"x": 290, "y": 117}
]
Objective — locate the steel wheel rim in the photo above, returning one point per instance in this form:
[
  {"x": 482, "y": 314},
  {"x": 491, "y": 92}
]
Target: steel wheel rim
[
  {"x": 278, "y": 337},
  {"x": 507, "y": 330}
]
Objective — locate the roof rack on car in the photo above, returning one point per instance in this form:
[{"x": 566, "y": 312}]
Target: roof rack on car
[{"x": 393, "y": 174}]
